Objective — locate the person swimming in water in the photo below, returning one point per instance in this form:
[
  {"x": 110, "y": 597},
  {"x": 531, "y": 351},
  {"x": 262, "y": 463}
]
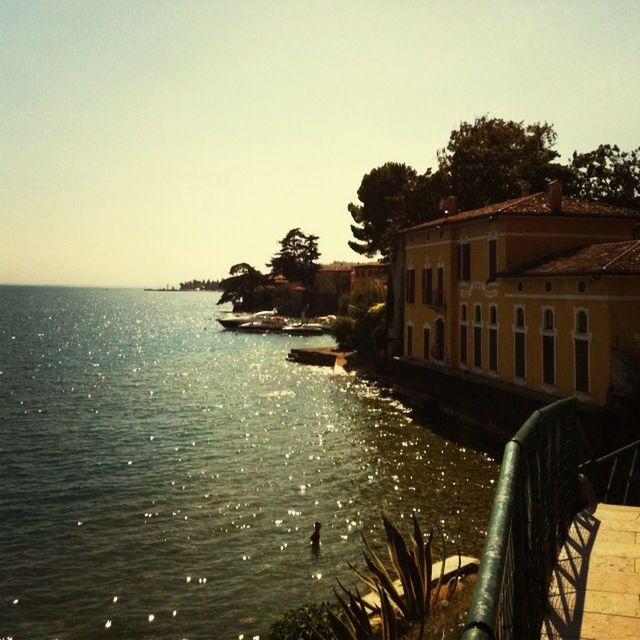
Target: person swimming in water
[{"x": 315, "y": 536}]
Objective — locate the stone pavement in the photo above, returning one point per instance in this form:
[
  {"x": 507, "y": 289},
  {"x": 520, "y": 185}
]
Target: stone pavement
[{"x": 595, "y": 587}]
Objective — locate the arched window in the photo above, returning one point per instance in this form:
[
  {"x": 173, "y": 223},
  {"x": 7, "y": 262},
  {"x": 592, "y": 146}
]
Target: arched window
[
  {"x": 581, "y": 351},
  {"x": 426, "y": 341},
  {"x": 477, "y": 336},
  {"x": 439, "y": 346},
  {"x": 548, "y": 348},
  {"x": 582, "y": 322},
  {"x": 463, "y": 334},
  {"x": 519, "y": 344},
  {"x": 493, "y": 338}
]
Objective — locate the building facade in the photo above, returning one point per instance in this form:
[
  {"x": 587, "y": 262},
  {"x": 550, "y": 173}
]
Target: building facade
[
  {"x": 542, "y": 292},
  {"x": 366, "y": 273}
]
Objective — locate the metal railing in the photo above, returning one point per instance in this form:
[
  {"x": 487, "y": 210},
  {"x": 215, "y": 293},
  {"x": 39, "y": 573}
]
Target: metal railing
[
  {"x": 615, "y": 478},
  {"x": 536, "y": 499}
]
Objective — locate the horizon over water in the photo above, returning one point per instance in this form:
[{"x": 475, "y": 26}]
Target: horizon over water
[{"x": 160, "y": 476}]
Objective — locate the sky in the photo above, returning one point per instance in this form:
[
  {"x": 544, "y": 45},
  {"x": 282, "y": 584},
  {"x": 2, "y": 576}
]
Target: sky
[{"x": 147, "y": 143}]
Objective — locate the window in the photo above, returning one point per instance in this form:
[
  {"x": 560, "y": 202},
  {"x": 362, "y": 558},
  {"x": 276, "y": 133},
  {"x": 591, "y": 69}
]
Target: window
[
  {"x": 426, "y": 342},
  {"x": 519, "y": 337},
  {"x": 477, "y": 336},
  {"x": 427, "y": 286},
  {"x": 440, "y": 289},
  {"x": 581, "y": 352},
  {"x": 464, "y": 261},
  {"x": 439, "y": 355},
  {"x": 411, "y": 286},
  {"x": 548, "y": 348},
  {"x": 409, "y": 340},
  {"x": 493, "y": 259},
  {"x": 548, "y": 286},
  {"x": 493, "y": 338},
  {"x": 463, "y": 334},
  {"x": 582, "y": 286}
]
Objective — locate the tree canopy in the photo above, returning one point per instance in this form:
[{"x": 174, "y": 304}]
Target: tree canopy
[
  {"x": 244, "y": 287},
  {"x": 297, "y": 258},
  {"x": 491, "y": 159},
  {"x": 485, "y": 161},
  {"x": 392, "y": 196},
  {"x": 607, "y": 174}
]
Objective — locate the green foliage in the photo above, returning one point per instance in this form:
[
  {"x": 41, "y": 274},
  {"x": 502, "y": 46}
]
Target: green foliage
[
  {"x": 344, "y": 330},
  {"x": 304, "y": 622},
  {"x": 362, "y": 324},
  {"x": 412, "y": 567},
  {"x": 246, "y": 288},
  {"x": 201, "y": 285},
  {"x": 371, "y": 331},
  {"x": 392, "y": 196},
  {"x": 297, "y": 258},
  {"x": 485, "y": 161},
  {"x": 608, "y": 175},
  {"x": 490, "y": 159},
  {"x": 363, "y": 298}
]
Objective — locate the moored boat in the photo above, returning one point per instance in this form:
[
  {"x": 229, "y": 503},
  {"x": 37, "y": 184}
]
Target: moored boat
[
  {"x": 234, "y": 322},
  {"x": 268, "y": 324},
  {"x": 303, "y": 329}
]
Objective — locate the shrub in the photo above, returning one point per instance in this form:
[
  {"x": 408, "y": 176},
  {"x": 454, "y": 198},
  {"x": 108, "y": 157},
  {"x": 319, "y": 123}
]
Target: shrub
[
  {"x": 344, "y": 329},
  {"x": 303, "y": 622}
]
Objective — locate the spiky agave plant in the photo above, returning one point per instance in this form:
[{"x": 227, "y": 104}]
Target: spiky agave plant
[
  {"x": 413, "y": 567},
  {"x": 357, "y": 615}
]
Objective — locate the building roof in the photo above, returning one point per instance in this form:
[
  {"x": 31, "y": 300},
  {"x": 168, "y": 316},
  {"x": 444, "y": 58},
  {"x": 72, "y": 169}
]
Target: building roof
[
  {"x": 610, "y": 258},
  {"x": 536, "y": 204},
  {"x": 337, "y": 266},
  {"x": 381, "y": 265}
]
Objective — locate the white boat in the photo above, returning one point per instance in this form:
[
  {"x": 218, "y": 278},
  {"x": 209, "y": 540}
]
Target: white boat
[
  {"x": 266, "y": 324},
  {"x": 234, "y": 322},
  {"x": 303, "y": 329}
]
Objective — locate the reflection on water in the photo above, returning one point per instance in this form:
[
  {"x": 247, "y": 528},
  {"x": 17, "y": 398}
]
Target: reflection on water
[{"x": 161, "y": 477}]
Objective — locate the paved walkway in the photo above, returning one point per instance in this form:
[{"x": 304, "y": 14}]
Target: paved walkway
[{"x": 595, "y": 587}]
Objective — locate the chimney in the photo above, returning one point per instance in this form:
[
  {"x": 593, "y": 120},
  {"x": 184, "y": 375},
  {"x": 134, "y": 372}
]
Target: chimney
[
  {"x": 525, "y": 187},
  {"x": 555, "y": 196},
  {"x": 450, "y": 205}
]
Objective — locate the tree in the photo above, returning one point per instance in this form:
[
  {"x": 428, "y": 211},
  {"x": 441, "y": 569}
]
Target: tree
[
  {"x": 608, "y": 175},
  {"x": 297, "y": 258},
  {"x": 246, "y": 288},
  {"x": 393, "y": 196},
  {"x": 490, "y": 160}
]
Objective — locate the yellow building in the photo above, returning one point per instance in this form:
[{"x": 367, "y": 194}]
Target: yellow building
[
  {"x": 367, "y": 272},
  {"x": 542, "y": 292}
]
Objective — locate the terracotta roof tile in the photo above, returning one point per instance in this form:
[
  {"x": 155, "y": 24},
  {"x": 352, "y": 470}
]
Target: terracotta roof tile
[
  {"x": 337, "y": 266},
  {"x": 536, "y": 204},
  {"x": 610, "y": 258}
]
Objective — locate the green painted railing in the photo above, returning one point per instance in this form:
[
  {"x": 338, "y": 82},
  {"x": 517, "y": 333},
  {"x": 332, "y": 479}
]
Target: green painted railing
[
  {"x": 615, "y": 478},
  {"x": 536, "y": 499}
]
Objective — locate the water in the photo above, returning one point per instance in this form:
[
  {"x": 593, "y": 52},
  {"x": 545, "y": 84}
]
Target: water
[{"x": 160, "y": 476}]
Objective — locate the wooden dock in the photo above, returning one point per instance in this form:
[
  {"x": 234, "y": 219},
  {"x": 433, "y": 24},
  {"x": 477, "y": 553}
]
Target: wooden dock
[{"x": 595, "y": 587}]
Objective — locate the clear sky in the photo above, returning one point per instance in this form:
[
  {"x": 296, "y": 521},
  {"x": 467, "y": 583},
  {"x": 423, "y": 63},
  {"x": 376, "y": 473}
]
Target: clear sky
[{"x": 143, "y": 143}]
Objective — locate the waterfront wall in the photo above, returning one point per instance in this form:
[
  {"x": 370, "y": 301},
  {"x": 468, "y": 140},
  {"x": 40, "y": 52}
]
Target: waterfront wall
[{"x": 497, "y": 409}]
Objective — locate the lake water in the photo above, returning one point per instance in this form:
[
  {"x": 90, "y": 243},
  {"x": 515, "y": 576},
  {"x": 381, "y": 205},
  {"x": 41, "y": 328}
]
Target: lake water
[{"x": 160, "y": 476}]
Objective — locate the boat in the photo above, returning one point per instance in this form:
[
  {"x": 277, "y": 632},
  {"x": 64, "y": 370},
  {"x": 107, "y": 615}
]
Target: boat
[
  {"x": 234, "y": 322},
  {"x": 265, "y": 324},
  {"x": 303, "y": 329}
]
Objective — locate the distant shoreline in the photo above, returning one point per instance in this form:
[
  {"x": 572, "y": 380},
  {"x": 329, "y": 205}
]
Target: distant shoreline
[{"x": 184, "y": 290}]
